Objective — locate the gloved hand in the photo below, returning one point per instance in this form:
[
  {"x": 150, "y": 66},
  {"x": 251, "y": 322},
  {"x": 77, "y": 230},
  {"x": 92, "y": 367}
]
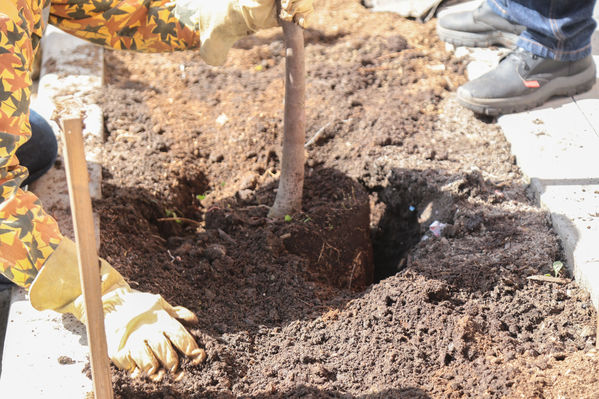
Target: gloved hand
[
  {"x": 298, "y": 11},
  {"x": 141, "y": 328},
  {"x": 222, "y": 22}
]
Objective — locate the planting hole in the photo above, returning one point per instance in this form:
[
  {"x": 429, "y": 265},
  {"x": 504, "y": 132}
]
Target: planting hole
[{"x": 395, "y": 234}]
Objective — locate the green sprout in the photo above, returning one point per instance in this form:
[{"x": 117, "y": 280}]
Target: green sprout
[
  {"x": 557, "y": 267},
  {"x": 201, "y": 197},
  {"x": 172, "y": 214},
  {"x": 288, "y": 218}
]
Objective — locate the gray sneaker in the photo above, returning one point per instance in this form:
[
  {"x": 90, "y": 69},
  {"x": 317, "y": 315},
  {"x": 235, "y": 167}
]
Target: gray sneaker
[
  {"x": 523, "y": 80},
  {"x": 481, "y": 27}
]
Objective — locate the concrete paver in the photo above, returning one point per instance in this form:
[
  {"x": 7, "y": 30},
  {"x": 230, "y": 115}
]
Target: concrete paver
[{"x": 48, "y": 346}]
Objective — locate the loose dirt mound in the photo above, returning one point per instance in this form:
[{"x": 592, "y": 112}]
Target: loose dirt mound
[{"x": 191, "y": 163}]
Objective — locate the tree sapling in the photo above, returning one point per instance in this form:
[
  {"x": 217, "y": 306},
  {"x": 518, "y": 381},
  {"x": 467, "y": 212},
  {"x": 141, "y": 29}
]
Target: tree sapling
[{"x": 289, "y": 196}]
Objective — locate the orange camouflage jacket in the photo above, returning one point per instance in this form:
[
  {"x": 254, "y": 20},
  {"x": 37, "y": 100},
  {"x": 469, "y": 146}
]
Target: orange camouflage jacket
[{"x": 28, "y": 235}]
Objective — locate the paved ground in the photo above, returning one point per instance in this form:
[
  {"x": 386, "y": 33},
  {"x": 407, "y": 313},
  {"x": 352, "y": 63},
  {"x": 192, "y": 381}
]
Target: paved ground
[{"x": 555, "y": 145}]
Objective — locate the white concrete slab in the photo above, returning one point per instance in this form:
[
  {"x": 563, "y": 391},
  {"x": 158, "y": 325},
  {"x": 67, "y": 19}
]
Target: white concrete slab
[
  {"x": 44, "y": 353},
  {"x": 555, "y": 142},
  {"x": 574, "y": 207}
]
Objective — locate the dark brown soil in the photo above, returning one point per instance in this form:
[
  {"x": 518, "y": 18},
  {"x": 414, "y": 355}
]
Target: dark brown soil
[{"x": 286, "y": 308}]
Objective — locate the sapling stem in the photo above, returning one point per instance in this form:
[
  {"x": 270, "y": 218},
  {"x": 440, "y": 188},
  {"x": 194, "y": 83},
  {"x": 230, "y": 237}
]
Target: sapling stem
[{"x": 289, "y": 196}]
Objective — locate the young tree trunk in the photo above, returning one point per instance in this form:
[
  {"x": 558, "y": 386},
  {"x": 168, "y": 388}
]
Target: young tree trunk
[{"x": 291, "y": 183}]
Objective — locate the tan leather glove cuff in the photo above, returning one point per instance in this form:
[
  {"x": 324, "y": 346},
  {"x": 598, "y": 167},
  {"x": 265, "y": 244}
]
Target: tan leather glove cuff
[
  {"x": 57, "y": 285},
  {"x": 222, "y": 23},
  {"x": 298, "y": 11},
  {"x": 258, "y": 17},
  {"x": 218, "y": 35}
]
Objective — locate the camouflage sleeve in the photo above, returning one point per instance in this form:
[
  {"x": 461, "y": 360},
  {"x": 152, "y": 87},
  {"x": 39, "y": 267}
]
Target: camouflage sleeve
[
  {"x": 28, "y": 236},
  {"x": 140, "y": 25}
]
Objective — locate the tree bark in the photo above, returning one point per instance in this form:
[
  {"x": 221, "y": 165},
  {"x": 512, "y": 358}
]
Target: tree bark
[{"x": 289, "y": 196}]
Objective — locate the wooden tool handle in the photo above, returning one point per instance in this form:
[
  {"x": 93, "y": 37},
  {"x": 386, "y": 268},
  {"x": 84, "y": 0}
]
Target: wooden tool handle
[{"x": 81, "y": 209}]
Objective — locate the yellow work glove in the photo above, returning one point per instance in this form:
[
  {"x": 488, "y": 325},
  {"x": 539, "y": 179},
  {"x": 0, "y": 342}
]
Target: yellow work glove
[
  {"x": 141, "y": 328},
  {"x": 298, "y": 11},
  {"x": 222, "y": 22}
]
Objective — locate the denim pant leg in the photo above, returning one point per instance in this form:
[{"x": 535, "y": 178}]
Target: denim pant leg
[
  {"x": 556, "y": 29},
  {"x": 39, "y": 152}
]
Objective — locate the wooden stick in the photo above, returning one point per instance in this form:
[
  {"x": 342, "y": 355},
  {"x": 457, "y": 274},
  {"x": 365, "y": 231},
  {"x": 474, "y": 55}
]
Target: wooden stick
[
  {"x": 81, "y": 209},
  {"x": 291, "y": 183},
  {"x": 549, "y": 279}
]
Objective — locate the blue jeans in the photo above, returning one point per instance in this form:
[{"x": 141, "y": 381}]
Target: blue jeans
[
  {"x": 39, "y": 152},
  {"x": 556, "y": 29}
]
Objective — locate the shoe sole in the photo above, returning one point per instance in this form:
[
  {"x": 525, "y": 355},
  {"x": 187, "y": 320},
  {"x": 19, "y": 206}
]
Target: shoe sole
[
  {"x": 470, "y": 39},
  {"x": 562, "y": 86}
]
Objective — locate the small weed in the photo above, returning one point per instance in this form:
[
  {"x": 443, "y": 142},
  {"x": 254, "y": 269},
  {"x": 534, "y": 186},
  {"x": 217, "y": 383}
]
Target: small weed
[
  {"x": 288, "y": 218},
  {"x": 172, "y": 214},
  {"x": 557, "y": 268},
  {"x": 201, "y": 197}
]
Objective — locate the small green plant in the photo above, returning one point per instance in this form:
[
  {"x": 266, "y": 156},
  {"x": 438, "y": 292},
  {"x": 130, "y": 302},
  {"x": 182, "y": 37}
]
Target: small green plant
[
  {"x": 557, "y": 267},
  {"x": 172, "y": 214},
  {"x": 307, "y": 219},
  {"x": 201, "y": 197},
  {"x": 288, "y": 218}
]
